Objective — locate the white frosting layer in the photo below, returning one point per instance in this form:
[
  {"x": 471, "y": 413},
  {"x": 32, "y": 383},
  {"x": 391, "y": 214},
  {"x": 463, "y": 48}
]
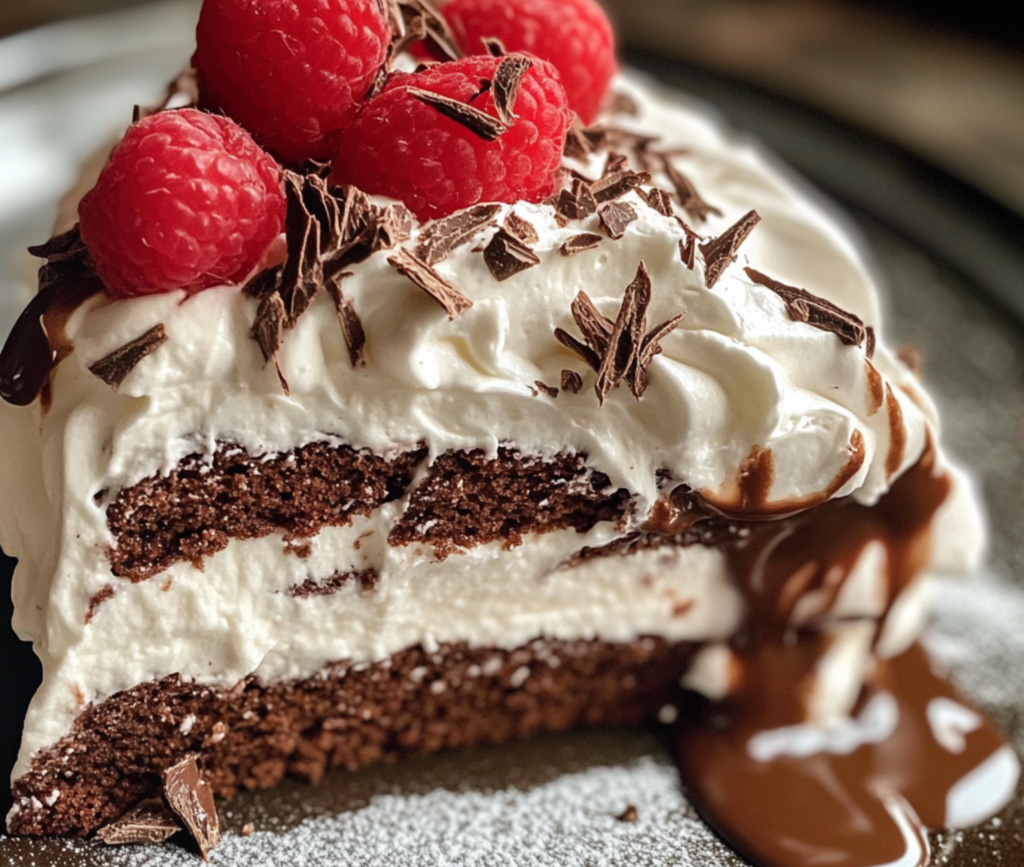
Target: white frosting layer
[{"x": 737, "y": 374}]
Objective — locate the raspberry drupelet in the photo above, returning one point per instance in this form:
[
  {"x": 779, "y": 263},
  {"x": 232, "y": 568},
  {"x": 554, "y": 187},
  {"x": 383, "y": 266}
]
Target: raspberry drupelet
[
  {"x": 188, "y": 200},
  {"x": 573, "y": 35},
  {"x": 290, "y": 71},
  {"x": 400, "y": 146}
]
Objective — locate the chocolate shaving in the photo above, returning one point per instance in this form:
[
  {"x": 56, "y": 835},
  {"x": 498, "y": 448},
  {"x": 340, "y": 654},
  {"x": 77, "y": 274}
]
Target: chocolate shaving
[
  {"x": 617, "y": 184},
  {"x": 439, "y": 34},
  {"x": 689, "y": 198},
  {"x": 720, "y": 252},
  {"x": 659, "y": 201},
  {"x": 596, "y": 327},
  {"x": 869, "y": 348},
  {"x": 687, "y": 245},
  {"x": 522, "y": 229},
  {"x": 549, "y": 390},
  {"x": 302, "y": 275},
  {"x": 615, "y": 163},
  {"x": 438, "y": 239},
  {"x": 113, "y": 368},
  {"x": 268, "y": 330},
  {"x": 576, "y": 203},
  {"x": 393, "y": 226},
  {"x": 348, "y": 319},
  {"x": 495, "y": 47},
  {"x": 427, "y": 279},
  {"x": 650, "y": 347},
  {"x": 150, "y": 822},
  {"x": 615, "y": 218},
  {"x": 477, "y": 122},
  {"x": 592, "y": 359},
  {"x": 266, "y": 281},
  {"x": 507, "y": 79},
  {"x": 572, "y": 381},
  {"x": 627, "y": 335},
  {"x": 619, "y": 350},
  {"x": 621, "y": 103},
  {"x": 579, "y": 244},
  {"x": 61, "y": 247},
  {"x": 506, "y": 256},
  {"x": 190, "y": 797},
  {"x": 577, "y": 145},
  {"x": 803, "y": 306},
  {"x": 630, "y": 814}
]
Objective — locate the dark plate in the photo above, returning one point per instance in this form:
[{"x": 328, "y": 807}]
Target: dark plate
[{"x": 953, "y": 264}]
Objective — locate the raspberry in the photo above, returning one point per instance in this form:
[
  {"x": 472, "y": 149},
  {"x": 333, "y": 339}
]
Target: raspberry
[
  {"x": 574, "y": 35},
  {"x": 188, "y": 199},
  {"x": 290, "y": 71},
  {"x": 400, "y": 147}
]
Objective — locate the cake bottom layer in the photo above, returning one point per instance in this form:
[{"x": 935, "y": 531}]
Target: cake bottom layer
[{"x": 420, "y": 700}]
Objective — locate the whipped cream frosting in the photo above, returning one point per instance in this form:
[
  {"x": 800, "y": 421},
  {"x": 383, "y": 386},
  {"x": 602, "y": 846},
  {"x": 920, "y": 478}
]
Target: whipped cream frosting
[{"x": 736, "y": 375}]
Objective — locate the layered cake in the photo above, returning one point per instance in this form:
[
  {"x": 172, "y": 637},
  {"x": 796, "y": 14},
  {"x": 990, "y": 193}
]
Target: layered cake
[{"x": 442, "y": 407}]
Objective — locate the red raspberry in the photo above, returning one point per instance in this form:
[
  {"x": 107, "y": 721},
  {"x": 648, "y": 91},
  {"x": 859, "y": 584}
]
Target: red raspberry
[
  {"x": 188, "y": 199},
  {"x": 290, "y": 71},
  {"x": 398, "y": 146},
  {"x": 574, "y": 35}
]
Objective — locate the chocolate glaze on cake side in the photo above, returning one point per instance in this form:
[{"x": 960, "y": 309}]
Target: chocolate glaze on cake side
[{"x": 816, "y": 731}]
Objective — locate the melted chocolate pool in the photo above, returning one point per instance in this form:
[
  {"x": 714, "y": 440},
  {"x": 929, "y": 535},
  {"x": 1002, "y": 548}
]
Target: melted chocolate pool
[{"x": 863, "y": 791}]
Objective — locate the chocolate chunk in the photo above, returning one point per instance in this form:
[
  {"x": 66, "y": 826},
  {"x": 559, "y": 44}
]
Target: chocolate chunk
[
  {"x": 572, "y": 381},
  {"x": 627, "y": 335},
  {"x": 427, "y": 279},
  {"x": 348, "y": 319},
  {"x": 150, "y": 822},
  {"x": 507, "y": 79},
  {"x": 520, "y": 228},
  {"x": 60, "y": 247},
  {"x": 438, "y": 239},
  {"x": 477, "y": 122},
  {"x": 191, "y": 799},
  {"x": 615, "y": 218},
  {"x": 113, "y": 368},
  {"x": 617, "y": 184},
  {"x": 506, "y": 256},
  {"x": 802, "y": 306},
  {"x": 720, "y": 252},
  {"x": 579, "y": 244},
  {"x": 268, "y": 331},
  {"x": 549, "y": 390},
  {"x": 689, "y": 198}
]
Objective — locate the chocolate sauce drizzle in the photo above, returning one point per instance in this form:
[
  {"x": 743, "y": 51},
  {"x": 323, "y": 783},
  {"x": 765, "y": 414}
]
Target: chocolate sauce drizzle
[{"x": 914, "y": 755}]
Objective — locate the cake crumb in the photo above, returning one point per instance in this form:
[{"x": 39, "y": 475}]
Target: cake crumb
[{"x": 630, "y": 814}]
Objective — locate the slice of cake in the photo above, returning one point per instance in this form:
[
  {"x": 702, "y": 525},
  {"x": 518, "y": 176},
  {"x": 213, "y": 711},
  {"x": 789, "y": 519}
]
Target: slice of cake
[{"x": 473, "y": 423}]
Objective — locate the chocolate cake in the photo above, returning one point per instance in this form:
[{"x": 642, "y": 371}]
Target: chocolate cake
[{"x": 411, "y": 485}]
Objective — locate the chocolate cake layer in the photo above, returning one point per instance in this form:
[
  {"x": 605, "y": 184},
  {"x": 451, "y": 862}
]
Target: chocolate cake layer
[
  {"x": 465, "y": 500},
  {"x": 469, "y": 499},
  {"x": 196, "y": 509},
  {"x": 251, "y": 735}
]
